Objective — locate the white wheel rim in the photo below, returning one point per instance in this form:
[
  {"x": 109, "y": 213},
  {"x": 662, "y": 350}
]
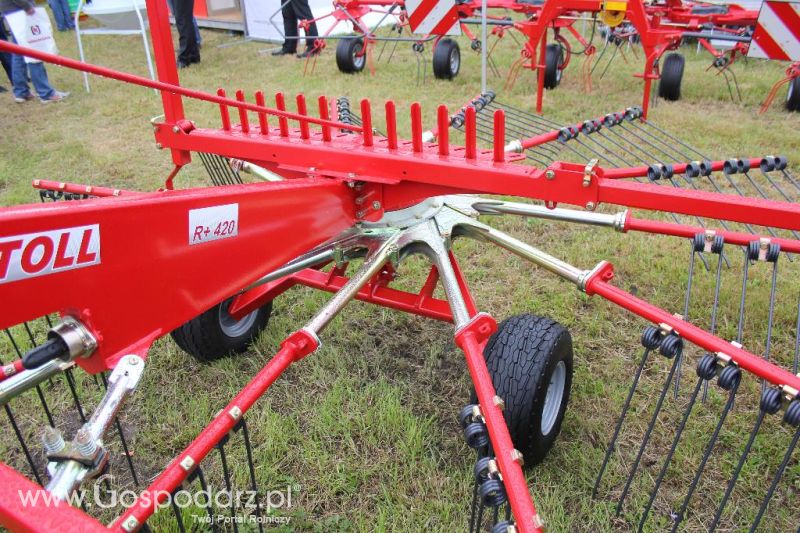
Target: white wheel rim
[
  {"x": 553, "y": 397},
  {"x": 232, "y": 327},
  {"x": 791, "y": 91},
  {"x": 358, "y": 60},
  {"x": 455, "y": 61}
]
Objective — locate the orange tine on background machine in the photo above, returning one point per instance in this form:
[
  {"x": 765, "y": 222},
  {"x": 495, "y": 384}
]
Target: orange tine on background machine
[
  {"x": 245, "y": 123},
  {"x": 223, "y": 112},
  {"x": 416, "y": 126},
  {"x": 280, "y": 103},
  {"x": 391, "y": 125},
  {"x": 324, "y": 114},
  {"x": 262, "y": 117},
  {"x": 470, "y": 133},
  {"x": 499, "y": 136},
  {"x": 443, "y": 123},
  {"x": 366, "y": 122},
  {"x": 302, "y": 110}
]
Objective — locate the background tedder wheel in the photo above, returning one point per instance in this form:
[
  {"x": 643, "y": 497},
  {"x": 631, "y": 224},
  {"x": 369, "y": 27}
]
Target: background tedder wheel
[
  {"x": 793, "y": 96},
  {"x": 530, "y": 361},
  {"x": 446, "y": 59},
  {"x": 669, "y": 88},
  {"x": 350, "y": 55},
  {"x": 554, "y": 64},
  {"x": 215, "y": 334}
]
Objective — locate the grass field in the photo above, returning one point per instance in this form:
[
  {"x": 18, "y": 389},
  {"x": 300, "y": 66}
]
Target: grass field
[{"x": 365, "y": 430}]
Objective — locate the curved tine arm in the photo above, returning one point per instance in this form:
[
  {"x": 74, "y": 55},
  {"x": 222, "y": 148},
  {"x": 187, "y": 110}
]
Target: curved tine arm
[
  {"x": 373, "y": 263},
  {"x": 497, "y": 207}
]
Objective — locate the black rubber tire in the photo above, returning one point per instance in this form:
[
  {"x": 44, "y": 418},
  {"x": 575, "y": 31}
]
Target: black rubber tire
[
  {"x": 522, "y": 357},
  {"x": 553, "y": 65},
  {"x": 204, "y": 338},
  {"x": 347, "y": 55},
  {"x": 446, "y": 59},
  {"x": 669, "y": 88},
  {"x": 793, "y": 96}
]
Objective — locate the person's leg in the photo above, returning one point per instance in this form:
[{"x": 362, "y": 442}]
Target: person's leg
[
  {"x": 40, "y": 81},
  {"x": 188, "y": 52},
  {"x": 303, "y": 12},
  {"x": 67, "y": 15},
  {"x": 289, "y": 27},
  {"x": 5, "y": 57},
  {"x": 197, "y": 36},
  {"x": 19, "y": 76},
  {"x": 58, "y": 15}
]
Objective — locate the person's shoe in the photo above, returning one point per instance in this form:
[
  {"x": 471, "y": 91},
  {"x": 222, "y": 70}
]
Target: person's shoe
[
  {"x": 183, "y": 64},
  {"x": 308, "y": 53},
  {"x": 26, "y": 98},
  {"x": 282, "y": 52},
  {"x": 55, "y": 97}
]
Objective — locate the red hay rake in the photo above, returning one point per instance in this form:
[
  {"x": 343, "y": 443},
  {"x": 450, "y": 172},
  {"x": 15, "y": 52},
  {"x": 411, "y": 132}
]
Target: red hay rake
[{"x": 381, "y": 198}]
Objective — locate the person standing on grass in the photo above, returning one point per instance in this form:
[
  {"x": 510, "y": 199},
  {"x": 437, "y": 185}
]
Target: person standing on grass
[
  {"x": 62, "y": 15},
  {"x": 189, "y": 49},
  {"x": 20, "y": 69},
  {"x": 293, "y": 12},
  {"x": 5, "y": 57}
]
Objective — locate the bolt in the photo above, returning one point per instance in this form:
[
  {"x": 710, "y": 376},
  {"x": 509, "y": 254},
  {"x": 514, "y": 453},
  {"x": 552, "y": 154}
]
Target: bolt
[
  {"x": 499, "y": 402},
  {"x": 351, "y": 175},
  {"x": 176, "y": 129},
  {"x": 52, "y": 440},
  {"x": 84, "y": 442},
  {"x": 517, "y": 457},
  {"x": 376, "y": 205},
  {"x": 351, "y": 184},
  {"x": 130, "y": 524},
  {"x": 550, "y": 174},
  {"x": 590, "y": 206},
  {"x": 159, "y": 146}
]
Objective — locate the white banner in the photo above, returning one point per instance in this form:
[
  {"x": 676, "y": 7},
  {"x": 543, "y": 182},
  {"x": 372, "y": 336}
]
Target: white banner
[{"x": 33, "y": 31}]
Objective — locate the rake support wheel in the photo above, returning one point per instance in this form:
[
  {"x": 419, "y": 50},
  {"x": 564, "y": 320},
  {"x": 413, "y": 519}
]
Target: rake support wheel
[
  {"x": 215, "y": 334},
  {"x": 530, "y": 361},
  {"x": 350, "y": 55},
  {"x": 793, "y": 96},
  {"x": 671, "y": 76},
  {"x": 446, "y": 59},
  {"x": 554, "y": 65}
]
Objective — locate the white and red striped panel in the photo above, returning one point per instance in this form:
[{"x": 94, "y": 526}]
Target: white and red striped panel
[
  {"x": 433, "y": 17},
  {"x": 777, "y": 34}
]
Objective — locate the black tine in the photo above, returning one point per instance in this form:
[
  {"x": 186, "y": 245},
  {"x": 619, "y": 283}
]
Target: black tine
[
  {"x": 686, "y": 301},
  {"x": 714, "y": 310},
  {"x": 253, "y": 485},
  {"x": 668, "y": 459},
  {"x": 674, "y": 139},
  {"x": 620, "y": 421},
  {"x": 797, "y": 340},
  {"x": 39, "y": 392},
  {"x": 198, "y": 472},
  {"x": 177, "y": 512},
  {"x": 736, "y": 471},
  {"x": 71, "y": 383},
  {"x": 743, "y": 297},
  {"x": 209, "y": 170},
  {"x": 790, "y": 179},
  {"x": 648, "y": 433},
  {"x": 128, "y": 457},
  {"x": 775, "y": 480},
  {"x": 22, "y": 443},
  {"x": 227, "y": 476},
  {"x": 677, "y": 518}
]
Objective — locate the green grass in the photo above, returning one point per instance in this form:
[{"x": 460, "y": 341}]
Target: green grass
[{"x": 365, "y": 428}]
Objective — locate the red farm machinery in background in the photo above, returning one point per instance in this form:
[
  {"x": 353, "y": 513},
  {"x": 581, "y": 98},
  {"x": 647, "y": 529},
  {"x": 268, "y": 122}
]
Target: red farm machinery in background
[{"x": 72, "y": 265}]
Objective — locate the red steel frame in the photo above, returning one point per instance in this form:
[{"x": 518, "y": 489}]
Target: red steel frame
[{"x": 333, "y": 180}]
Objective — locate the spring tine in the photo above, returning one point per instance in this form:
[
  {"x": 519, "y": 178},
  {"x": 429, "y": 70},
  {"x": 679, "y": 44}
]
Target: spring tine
[
  {"x": 608, "y": 64},
  {"x": 198, "y": 472},
  {"x": 227, "y": 476},
  {"x": 263, "y": 125},
  {"x": 775, "y": 480},
  {"x": 251, "y": 467},
  {"x": 673, "y": 139},
  {"x": 71, "y": 383},
  {"x": 283, "y": 123},
  {"x": 128, "y": 457},
  {"x": 668, "y": 459},
  {"x": 302, "y": 110},
  {"x": 211, "y": 168},
  {"x": 677, "y": 518},
  {"x": 416, "y": 126},
  {"x": 686, "y": 301},
  {"x": 24, "y": 446},
  {"x": 177, "y": 512},
  {"x": 223, "y": 112},
  {"x": 714, "y": 309},
  {"x": 391, "y": 125},
  {"x": 743, "y": 298},
  {"x": 620, "y": 421},
  {"x": 205, "y": 164},
  {"x": 648, "y": 433},
  {"x": 470, "y": 143},
  {"x": 736, "y": 471},
  {"x": 660, "y": 139},
  {"x": 243, "y": 120},
  {"x": 791, "y": 179}
]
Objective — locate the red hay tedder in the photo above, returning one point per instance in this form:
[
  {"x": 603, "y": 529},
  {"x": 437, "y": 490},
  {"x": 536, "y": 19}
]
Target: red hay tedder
[{"x": 381, "y": 198}]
